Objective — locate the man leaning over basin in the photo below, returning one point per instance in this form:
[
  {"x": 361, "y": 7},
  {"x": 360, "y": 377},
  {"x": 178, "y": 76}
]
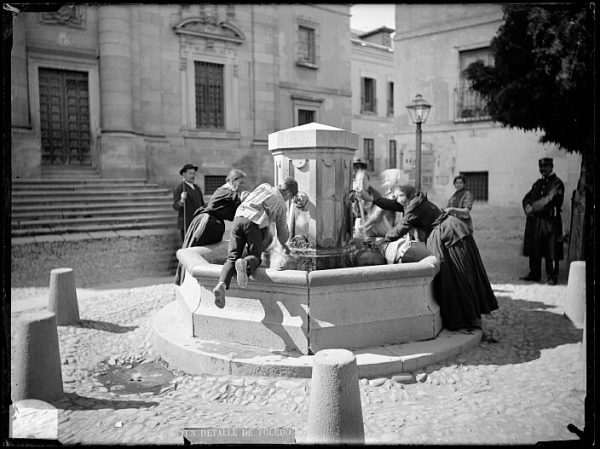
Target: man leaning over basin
[{"x": 263, "y": 206}]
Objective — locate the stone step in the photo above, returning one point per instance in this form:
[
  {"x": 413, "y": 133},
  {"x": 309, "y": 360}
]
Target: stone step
[
  {"x": 111, "y": 199},
  {"x": 93, "y": 227},
  {"x": 70, "y": 170},
  {"x": 129, "y": 217},
  {"x": 58, "y": 184},
  {"x": 92, "y": 192},
  {"x": 78, "y": 200},
  {"x": 77, "y": 180},
  {"x": 80, "y": 209},
  {"x": 70, "y": 175}
]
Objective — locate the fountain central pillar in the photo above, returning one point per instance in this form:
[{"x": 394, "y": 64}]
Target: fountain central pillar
[{"x": 319, "y": 158}]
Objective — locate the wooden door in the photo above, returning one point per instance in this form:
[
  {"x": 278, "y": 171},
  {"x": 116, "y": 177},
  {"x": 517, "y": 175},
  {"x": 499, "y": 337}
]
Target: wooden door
[{"x": 64, "y": 117}]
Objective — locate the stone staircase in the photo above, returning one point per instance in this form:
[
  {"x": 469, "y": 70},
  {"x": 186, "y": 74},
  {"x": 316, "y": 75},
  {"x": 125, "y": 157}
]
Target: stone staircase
[
  {"x": 83, "y": 203},
  {"x": 106, "y": 229}
]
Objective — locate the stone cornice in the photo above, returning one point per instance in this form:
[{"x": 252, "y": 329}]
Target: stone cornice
[
  {"x": 322, "y": 91},
  {"x": 199, "y": 27},
  {"x": 450, "y": 26},
  {"x": 361, "y": 43}
]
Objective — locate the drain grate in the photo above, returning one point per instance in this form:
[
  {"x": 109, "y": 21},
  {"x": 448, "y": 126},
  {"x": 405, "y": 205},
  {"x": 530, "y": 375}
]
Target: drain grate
[{"x": 148, "y": 377}]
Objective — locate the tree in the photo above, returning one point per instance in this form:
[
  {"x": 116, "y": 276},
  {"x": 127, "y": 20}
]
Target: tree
[{"x": 543, "y": 80}]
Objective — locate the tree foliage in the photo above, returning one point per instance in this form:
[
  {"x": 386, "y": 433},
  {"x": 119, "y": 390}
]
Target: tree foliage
[{"x": 543, "y": 74}]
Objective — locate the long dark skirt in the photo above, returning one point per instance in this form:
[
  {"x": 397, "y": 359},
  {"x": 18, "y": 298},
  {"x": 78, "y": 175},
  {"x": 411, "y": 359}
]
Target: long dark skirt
[
  {"x": 204, "y": 230},
  {"x": 461, "y": 288}
]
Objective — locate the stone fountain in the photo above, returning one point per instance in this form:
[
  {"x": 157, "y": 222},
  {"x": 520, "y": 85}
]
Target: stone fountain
[{"x": 325, "y": 302}]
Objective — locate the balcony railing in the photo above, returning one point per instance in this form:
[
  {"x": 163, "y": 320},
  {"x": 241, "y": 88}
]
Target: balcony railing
[{"x": 470, "y": 105}]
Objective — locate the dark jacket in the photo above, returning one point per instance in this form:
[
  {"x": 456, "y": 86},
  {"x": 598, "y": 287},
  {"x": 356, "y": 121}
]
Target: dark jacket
[
  {"x": 543, "y": 227},
  {"x": 423, "y": 215},
  {"x": 420, "y": 213},
  {"x": 194, "y": 200},
  {"x": 222, "y": 204}
]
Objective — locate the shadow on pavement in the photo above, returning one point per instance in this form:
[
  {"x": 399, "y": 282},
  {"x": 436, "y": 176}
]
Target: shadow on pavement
[
  {"x": 105, "y": 326},
  {"x": 522, "y": 330},
  {"x": 84, "y": 402}
]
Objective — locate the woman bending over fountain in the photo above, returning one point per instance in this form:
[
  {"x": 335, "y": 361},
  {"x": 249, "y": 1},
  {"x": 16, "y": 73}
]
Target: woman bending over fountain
[
  {"x": 208, "y": 224},
  {"x": 461, "y": 288},
  {"x": 263, "y": 206}
]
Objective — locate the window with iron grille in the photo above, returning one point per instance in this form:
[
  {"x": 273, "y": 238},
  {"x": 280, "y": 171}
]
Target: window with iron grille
[
  {"x": 210, "y": 95},
  {"x": 368, "y": 100},
  {"x": 369, "y": 151},
  {"x": 305, "y": 116},
  {"x": 212, "y": 183},
  {"x": 477, "y": 184},
  {"x": 306, "y": 45},
  {"x": 392, "y": 149},
  {"x": 470, "y": 105},
  {"x": 390, "y": 99}
]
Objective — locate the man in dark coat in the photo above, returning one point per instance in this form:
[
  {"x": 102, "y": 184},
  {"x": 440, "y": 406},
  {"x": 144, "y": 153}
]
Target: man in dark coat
[
  {"x": 187, "y": 197},
  {"x": 543, "y": 228}
]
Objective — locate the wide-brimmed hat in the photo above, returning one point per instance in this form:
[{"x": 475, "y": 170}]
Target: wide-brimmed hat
[
  {"x": 546, "y": 161},
  {"x": 358, "y": 162},
  {"x": 187, "y": 167}
]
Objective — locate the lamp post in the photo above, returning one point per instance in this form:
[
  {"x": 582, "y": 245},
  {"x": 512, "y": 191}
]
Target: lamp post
[{"x": 418, "y": 110}]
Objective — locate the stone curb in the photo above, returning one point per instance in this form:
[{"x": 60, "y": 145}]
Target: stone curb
[
  {"x": 195, "y": 356},
  {"x": 92, "y": 235}
]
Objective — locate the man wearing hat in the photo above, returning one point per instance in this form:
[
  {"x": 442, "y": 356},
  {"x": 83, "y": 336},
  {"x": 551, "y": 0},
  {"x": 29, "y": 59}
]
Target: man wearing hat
[
  {"x": 187, "y": 197},
  {"x": 543, "y": 227}
]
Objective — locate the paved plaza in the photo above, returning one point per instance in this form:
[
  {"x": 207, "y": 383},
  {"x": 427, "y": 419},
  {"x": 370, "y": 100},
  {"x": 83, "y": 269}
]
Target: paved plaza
[{"x": 522, "y": 384}]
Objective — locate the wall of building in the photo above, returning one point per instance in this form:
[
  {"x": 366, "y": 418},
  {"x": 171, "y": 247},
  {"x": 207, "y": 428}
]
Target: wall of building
[
  {"x": 427, "y": 44},
  {"x": 325, "y": 87},
  {"x": 140, "y": 61},
  {"x": 377, "y": 62}
]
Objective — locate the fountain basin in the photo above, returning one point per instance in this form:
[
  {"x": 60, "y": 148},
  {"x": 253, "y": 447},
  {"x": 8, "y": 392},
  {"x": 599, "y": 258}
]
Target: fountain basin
[{"x": 304, "y": 312}]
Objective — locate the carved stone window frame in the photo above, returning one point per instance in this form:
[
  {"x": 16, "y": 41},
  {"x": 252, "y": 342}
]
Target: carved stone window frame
[
  {"x": 306, "y": 103},
  {"x": 198, "y": 39},
  {"x": 306, "y": 23},
  {"x": 72, "y": 16},
  {"x": 202, "y": 28}
]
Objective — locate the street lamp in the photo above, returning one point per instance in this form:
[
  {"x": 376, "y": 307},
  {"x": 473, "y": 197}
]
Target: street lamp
[{"x": 418, "y": 110}]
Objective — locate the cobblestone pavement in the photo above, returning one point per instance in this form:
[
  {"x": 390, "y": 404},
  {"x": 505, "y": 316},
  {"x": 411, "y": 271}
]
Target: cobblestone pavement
[{"x": 521, "y": 386}]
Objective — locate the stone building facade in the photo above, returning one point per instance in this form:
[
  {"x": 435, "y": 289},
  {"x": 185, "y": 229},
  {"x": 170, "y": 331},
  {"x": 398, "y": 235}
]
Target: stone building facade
[
  {"x": 137, "y": 90},
  {"x": 373, "y": 83},
  {"x": 433, "y": 43}
]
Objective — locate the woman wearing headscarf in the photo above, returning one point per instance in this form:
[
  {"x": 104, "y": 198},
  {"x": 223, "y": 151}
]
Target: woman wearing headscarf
[
  {"x": 461, "y": 288},
  {"x": 208, "y": 224},
  {"x": 461, "y": 202}
]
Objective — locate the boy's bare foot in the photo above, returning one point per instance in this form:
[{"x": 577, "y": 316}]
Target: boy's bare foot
[
  {"x": 241, "y": 268},
  {"x": 219, "y": 292}
]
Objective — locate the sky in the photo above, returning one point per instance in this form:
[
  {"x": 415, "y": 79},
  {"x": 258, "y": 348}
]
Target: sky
[{"x": 369, "y": 16}]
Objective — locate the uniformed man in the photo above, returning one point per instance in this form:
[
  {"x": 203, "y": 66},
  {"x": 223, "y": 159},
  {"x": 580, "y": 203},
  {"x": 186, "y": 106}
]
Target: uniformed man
[{"x": 543, "y": 228}]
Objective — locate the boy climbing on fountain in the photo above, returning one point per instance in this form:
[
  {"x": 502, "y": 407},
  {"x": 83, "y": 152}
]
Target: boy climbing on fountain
[{"x": 263, "y": 206}]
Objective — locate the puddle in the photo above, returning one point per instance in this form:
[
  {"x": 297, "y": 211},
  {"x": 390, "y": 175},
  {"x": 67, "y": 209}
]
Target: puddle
[{"x": 147, "y": 377}]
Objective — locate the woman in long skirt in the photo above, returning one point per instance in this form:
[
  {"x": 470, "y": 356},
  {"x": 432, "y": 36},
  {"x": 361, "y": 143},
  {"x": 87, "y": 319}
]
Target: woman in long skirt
[
  {"x": 208, "y": 224},
  {"x": 461, "y": 288}
]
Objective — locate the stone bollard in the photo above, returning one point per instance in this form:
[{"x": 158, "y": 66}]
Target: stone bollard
[
  {"x": 335, "y": 413},
  {"x": 63, "y": 297},
  {"x": 575, "y": 300},
  {"x": 36, "y": 363}
]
